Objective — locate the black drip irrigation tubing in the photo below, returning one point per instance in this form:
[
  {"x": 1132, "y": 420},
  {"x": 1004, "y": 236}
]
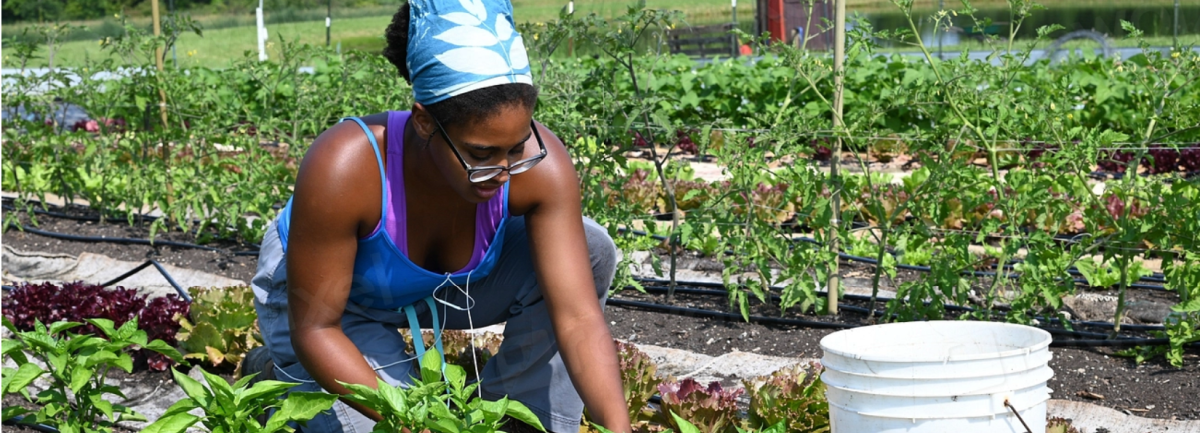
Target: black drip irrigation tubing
[
  {"x": 1096, "y": 340},
  {"x": 138, "y": 241},
  {"x": 161, "y": 270},
  {"x": 178, "y": 289},
  {"x": 731, "y": 316},
  {"x": 1114, "y": 175},
  {"x": 16, "y": 421},
  {"x": 137, "y": 217},
  {"x": 61, "y": 215},
  {"x": 657, "y": 288},
  {"x": 1155, "y": 278},
  {"x": 1090, "y": 339}
]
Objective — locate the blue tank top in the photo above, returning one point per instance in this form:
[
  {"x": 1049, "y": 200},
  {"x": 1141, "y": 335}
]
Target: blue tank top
[{"x": 384, "y": 277}]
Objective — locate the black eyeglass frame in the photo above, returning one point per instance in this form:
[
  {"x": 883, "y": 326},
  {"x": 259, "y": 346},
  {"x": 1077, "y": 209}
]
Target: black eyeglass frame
[{"x": 521, "y": 166}]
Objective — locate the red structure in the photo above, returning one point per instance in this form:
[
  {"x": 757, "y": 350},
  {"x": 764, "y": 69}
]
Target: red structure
[
  {"x": 788, "y": 20},
  {"x": 775, "y": 19}
]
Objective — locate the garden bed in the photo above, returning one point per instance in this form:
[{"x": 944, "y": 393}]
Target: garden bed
[{"x": 1154, "y": 389}]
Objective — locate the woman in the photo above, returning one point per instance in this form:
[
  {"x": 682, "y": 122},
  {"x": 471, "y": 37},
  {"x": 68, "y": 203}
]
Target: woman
[{"x": 462, "y": 213}]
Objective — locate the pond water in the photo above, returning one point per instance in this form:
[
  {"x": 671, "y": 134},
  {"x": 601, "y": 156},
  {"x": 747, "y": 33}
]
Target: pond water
[{"x": 1152, "y": 20}]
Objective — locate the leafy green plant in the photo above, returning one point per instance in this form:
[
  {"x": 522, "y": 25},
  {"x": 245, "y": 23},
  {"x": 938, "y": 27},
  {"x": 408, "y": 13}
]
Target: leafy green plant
[
  {"x": 713, "y": 408},
  {"x": 1101, "y": 276},
  {"x": 221, "y": 327},
  {"x": 236, "y": 408},
  {"x": 793, "y": 396},
  {"x": 79, "y": 301},
  {"x": 430, "y": 403},
  {"x": 638, "y": 379},
  {"x": 76, "y": 367}
]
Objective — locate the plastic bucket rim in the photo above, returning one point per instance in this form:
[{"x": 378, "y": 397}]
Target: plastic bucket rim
[
  {"x": 1027, "y": 406},
  {"x": 1044, "y": 343},
  {"x": 833, "y": 366},
  {"x": 1033, "y": 383}
]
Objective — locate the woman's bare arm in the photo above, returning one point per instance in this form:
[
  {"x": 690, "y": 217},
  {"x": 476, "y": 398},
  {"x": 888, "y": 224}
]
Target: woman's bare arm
[
  {"x": 550, "y": 201},
  {"x": 334, "y": 198}
]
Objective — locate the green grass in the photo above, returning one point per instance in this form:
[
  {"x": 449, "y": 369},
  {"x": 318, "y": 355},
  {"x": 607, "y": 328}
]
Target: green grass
[
  {"x": 695, "y": 11},
  {"x": 220, "y": 47},
  {"x": 231, "y": 39},
  {"x": 1086, "y": 44},
  {"x": 228, "y": 37}
]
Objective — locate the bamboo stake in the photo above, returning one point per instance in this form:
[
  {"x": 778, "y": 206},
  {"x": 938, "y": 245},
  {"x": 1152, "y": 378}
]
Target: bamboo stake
[
  {"x": 839, "y": 53},
  {"x": 162, "y": 105},
  {"x": 158, "y": 62}
]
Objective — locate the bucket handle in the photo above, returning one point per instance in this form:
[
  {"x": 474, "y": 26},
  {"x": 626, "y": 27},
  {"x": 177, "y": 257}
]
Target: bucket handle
[{"x": 1018, "y": 414}]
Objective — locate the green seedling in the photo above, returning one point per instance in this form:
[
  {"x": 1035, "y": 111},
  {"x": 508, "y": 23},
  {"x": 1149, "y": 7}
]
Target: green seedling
[
  {"x": 76, "y": 367},
  {"x": 443, "y": 406},
  {"x": 236, "y": 408}
]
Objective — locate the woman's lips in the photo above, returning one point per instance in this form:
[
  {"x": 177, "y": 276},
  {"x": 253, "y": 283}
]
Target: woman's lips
[{"x": 487, "y": 191}]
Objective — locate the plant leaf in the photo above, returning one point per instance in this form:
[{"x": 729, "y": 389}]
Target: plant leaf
[
  {"x": 57, "y": 327},
  {"x": 24, "y": 375},
  {"x": 220, "y": 389},
  {"x": 263, "y": 393},
  {"x": 10, "y": 412},
  {"x": 174, "y": 423},
  {"x": 196, "y": 391},
  {"x": 520, "y": 412},
  {"x": 165, "y": 349},
  {"x": 80, "y": 376},
  {"x": 431, "y": 367},
  {"x": 300, "y": 407},
  {"x": 684, "y": 425}
]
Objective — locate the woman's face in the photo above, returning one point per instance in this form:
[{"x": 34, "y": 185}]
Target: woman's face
[{"x": 500, "y": 139}]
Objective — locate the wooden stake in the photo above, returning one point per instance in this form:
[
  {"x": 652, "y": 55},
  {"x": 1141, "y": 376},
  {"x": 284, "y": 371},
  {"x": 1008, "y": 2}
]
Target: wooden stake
[
  {"x": 839, "y": 53},
  {"x": 158, "y": 62},
  {"x": 162, "y": 105}
]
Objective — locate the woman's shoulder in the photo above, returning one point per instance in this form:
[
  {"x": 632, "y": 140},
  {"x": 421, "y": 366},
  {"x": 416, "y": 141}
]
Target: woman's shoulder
[
  {"x": 348, "y": 138},
  {"x": 341, "y": 165}
]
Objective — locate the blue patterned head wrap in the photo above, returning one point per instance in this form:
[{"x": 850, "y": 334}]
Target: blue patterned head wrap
[{"x": 456, "y": 46}]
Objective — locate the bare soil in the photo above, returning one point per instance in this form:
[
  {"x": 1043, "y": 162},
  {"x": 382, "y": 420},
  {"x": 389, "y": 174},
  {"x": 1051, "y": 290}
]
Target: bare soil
[{"x": 1092, "y": 374}]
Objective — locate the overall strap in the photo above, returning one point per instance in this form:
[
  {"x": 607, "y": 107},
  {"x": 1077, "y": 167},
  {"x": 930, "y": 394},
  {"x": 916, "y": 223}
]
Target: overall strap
[
  {"x": 504, "y": 192},
  {"x": 415, "y": 327},
  {"x": 378, "y": 159}
]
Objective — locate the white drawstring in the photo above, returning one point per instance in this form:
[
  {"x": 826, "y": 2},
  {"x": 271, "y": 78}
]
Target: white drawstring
[{"x": 470, "y": 303}]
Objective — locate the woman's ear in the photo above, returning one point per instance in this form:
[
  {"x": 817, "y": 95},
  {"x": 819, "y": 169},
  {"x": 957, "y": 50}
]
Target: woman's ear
[{"x": 423, "y": 121}]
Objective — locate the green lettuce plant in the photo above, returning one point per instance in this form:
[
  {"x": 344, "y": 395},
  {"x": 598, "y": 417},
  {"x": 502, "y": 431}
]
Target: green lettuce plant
[
  {"x": 221, "y": 327},
  {"x": 458, "y": 344},
  {"x": 687, "y": 427},
  {"x": 236, "y": 408},
  {"x": 794, "y": 396},
  {"x": 638, "y": 377},
  {"x": 712, "y": 408},
  {"x": 75, "y": 366},
  {"x": 432, "y": 404}
]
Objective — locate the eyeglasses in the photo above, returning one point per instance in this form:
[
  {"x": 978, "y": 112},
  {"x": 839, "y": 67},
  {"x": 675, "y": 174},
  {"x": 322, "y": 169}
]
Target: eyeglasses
[{"x": 485, "y": 172}]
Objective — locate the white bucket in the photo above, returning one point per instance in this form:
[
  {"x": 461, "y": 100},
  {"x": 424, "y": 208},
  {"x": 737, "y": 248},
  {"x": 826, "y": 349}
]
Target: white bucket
[{"x": 945, "y": 376}]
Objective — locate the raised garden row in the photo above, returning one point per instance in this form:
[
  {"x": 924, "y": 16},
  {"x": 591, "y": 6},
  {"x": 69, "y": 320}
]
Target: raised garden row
[{"x": 60, "y": 370}]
